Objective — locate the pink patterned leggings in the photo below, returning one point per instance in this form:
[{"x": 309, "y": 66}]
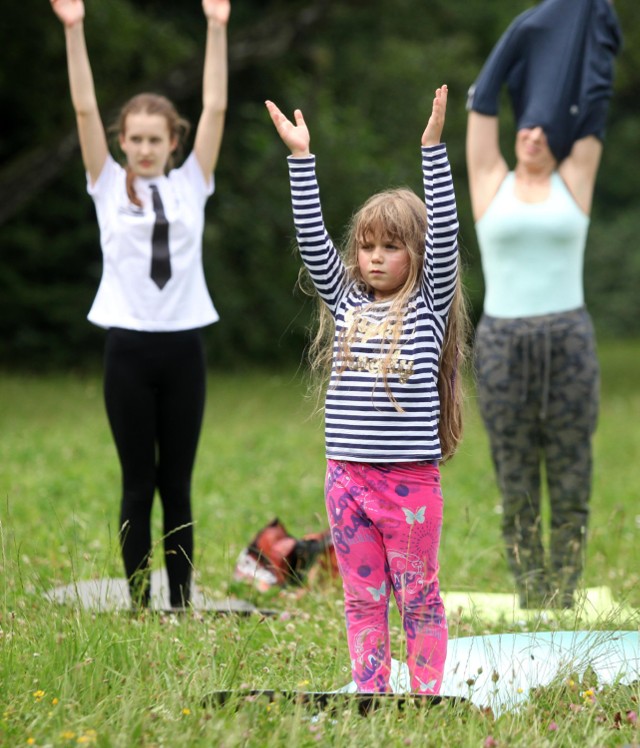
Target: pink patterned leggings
[{"x": 385, "y": 522}]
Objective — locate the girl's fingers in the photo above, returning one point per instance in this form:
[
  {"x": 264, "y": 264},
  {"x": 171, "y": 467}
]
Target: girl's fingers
[{"x": 275, "y": 113}]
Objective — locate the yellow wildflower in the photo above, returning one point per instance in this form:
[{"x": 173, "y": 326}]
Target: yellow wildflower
[{"x": 88, "y": 737}]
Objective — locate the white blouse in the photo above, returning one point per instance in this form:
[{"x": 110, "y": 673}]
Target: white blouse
[{"x": 127, "y": 296}]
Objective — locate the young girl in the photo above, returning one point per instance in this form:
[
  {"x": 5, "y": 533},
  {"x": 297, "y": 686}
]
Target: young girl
[
  {"x": 392, "y": 408},
  {"x": 152, "y": 298}
]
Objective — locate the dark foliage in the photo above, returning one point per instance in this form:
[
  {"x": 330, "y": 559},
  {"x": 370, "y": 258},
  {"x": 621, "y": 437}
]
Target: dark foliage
[{"x": 364, "y": 76}]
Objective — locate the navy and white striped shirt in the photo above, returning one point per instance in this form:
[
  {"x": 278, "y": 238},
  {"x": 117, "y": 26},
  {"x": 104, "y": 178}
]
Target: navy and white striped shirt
[{"x": 362, "y": 424}]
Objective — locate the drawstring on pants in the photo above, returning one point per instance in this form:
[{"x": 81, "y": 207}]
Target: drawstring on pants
[
  {"x": 530, "y": 339},
  {"x": 546, "y": 372}
]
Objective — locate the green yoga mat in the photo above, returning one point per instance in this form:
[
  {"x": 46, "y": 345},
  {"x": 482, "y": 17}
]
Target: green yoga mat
[{"x": 592, "y": 605}]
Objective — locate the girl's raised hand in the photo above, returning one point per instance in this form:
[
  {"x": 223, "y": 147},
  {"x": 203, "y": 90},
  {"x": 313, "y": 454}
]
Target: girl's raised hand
[
  {"x": 433, "y": 130},
  {"x": 217, "y": 10},
  {"x": 295, "y": 137},
  {"x": 69, "y": 12}
]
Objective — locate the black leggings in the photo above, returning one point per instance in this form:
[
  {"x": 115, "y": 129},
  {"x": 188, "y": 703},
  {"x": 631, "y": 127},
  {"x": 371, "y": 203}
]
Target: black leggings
[{"x": 154, "y": 388}]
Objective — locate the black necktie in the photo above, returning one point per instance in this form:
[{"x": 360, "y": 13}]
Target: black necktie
[{"x": 160, "y": 259}]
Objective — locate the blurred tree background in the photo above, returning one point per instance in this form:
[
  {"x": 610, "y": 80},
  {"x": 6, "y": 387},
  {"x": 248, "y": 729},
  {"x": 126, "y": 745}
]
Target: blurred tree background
[{"x": 364, "y": 75}]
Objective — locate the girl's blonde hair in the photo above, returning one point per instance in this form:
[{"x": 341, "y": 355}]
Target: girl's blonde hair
[
  {"x": 399, "y": 216},
  {"x": 150, "y": 103}
]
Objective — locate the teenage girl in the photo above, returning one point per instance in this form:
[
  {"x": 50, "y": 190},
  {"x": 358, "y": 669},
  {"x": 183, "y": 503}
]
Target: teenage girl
[
  {"x": 393, "y": 403},
  {"x": 152, "y": 297}
]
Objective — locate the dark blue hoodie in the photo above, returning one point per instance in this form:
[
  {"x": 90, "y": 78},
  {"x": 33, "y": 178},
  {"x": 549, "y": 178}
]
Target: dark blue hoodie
[{"x": 557, "y": 60}]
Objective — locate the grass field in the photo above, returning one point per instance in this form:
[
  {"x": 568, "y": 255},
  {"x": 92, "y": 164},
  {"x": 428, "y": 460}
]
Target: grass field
[{"x": 71, "y": 677}]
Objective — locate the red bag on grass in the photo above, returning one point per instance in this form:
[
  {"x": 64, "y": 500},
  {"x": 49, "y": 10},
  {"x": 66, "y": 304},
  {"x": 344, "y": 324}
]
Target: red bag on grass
[{"x": 275, "y": 558}]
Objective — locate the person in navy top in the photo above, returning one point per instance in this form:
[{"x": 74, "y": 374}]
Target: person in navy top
[
  {"x": 153, "y": 298},
  {"x": 392, "y": 333}
]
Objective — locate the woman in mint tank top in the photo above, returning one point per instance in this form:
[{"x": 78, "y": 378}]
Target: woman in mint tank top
[{"x": 535, "y": 352}]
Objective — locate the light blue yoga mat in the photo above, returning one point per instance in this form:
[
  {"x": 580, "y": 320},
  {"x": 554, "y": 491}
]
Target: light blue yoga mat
[{"x": 498, "y": 671}]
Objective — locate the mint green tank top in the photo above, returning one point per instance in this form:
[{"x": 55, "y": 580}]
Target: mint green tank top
[{"x": 532, "y": 253}]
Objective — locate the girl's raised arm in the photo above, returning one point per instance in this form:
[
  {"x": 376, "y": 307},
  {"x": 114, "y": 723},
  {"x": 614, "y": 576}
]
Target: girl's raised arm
[
  {"x": 214, "y": 86},
  {"x": 433, "y": 131},
  {"x": 295, "y": 136},
  {"x": 93, "y": 140}
]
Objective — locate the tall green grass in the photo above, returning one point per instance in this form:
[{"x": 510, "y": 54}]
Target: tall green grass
[{"x": 73, "y": 677}]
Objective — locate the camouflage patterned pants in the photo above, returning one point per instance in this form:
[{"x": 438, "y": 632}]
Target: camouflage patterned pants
[{"x": 538, "y": 389}]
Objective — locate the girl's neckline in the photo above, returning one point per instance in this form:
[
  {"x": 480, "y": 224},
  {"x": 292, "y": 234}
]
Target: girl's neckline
[{"x": 151, "y": 180}]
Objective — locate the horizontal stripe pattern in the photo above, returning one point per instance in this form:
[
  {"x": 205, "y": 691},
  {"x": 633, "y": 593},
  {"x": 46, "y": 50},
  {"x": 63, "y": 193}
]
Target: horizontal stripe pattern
[{"x": 361, "y": 421}]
